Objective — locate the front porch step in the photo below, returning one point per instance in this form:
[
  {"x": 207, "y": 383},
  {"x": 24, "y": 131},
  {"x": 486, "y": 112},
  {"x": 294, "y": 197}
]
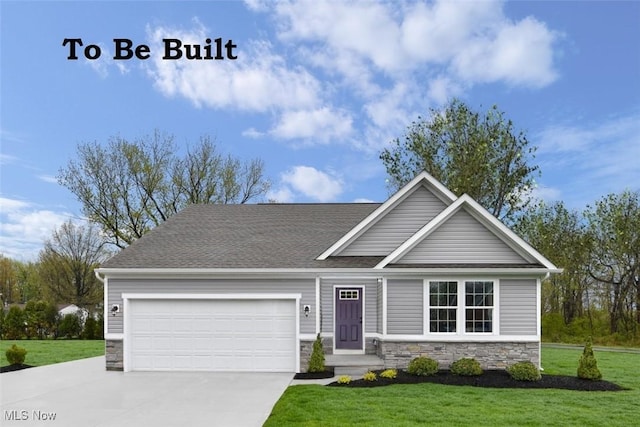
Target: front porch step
[{"x": 354, "y": 365}]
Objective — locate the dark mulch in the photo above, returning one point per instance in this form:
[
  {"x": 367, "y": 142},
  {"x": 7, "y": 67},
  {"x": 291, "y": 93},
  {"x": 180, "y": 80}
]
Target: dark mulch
[
  {"x": 314, "y": 375},
  {"x": 490, "y": 378},
  {"x": 14, "y": 367}
]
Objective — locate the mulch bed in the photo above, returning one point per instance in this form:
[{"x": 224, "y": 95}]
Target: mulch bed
[
  {"x": 490, "y": 378},
  {"x": 314, "y": 375},
  {"x": 14, "y": 367}
]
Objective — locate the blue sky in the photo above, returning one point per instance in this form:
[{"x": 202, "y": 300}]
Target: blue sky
[{"x": 317, "y": 90}]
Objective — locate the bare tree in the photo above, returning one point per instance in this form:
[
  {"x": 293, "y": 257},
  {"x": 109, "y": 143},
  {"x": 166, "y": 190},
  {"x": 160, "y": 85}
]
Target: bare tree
[
  {"x": 67, "y": 262},
  {"x": 129, "y": 187}
]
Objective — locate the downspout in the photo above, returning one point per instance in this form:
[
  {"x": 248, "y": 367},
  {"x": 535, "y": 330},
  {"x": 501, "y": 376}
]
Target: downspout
[{"x": 101, "y": 279}]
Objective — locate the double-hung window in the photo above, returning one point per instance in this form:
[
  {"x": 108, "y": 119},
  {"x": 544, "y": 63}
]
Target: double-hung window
[
  {"x": 443, "y": 303},
  {"x": 461, "y": 306},
  {"x": 478, "y": 306}
]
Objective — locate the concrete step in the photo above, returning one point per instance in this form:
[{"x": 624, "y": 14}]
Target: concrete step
[{"x": 353, "y": 365}]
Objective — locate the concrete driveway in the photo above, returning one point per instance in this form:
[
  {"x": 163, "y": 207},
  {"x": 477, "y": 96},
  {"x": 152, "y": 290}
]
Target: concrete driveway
[{"x": 82, "y": 393}]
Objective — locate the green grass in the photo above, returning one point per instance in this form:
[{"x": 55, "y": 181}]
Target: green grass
[
  {"x": 433, "y": 404},
  {"x": 47, "y": 352}
]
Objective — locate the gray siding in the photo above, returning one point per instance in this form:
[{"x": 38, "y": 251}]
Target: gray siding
[
  {"x": 370, "y": 303},
  {"x": 405, "y": 307},
  {"x": 518, "y": 314},
  {"x": 306, "y": 287},
  {"x": 411, "y": 214},
  {"x": 461, "y": 239}
]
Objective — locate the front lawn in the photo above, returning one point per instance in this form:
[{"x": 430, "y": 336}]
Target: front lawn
[
  {"x": 434, "y": 404},
  {"x": 47, "y": 352}
]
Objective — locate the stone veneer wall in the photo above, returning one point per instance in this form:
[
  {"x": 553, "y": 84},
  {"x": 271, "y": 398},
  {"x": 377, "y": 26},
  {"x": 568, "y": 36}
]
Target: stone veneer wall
[
  {"x": 306, "y": 347},
  {"x": 491, "y": 355},
  {"x": 114, "y": 355}
]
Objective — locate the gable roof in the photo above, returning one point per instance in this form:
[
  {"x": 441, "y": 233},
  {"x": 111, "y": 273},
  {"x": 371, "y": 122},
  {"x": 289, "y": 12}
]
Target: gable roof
[
  {"x": 247, "y": 236},
  {"x": 424, "y": 178},
  {"x": 501, "y": 231}
]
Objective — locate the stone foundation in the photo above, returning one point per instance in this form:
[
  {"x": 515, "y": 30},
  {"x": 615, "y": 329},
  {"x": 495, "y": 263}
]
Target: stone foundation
[
  {"x": 491, "y": 355},
  {"x": 114, "y": 355},
  {"x": 306, "y": 347}
]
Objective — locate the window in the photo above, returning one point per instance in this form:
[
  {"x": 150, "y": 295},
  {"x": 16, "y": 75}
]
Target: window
[
  {"x": 478, "y": 306},
  {"x": 346, "y": 294},
  {"x": 443, "y": 302},
  {"x": 447, "y": 312}
]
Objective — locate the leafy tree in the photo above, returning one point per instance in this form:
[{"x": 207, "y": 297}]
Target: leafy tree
[
  {"x": 41, "y": 318},
  {"x": 67, "y": 262},
  {"x": 8, "y": 281},
  {"x": 90, "y": 329},
  {"x": 70, "y": 326},
  {"x": 2, "y": 316},
  {"x": 614, "y": 227},
  {"x": 129, "y": 187},
  {"x": 14, "y": 323},
  {"x": 561, "y": 236},
  {"x": 479, "y": 154}
]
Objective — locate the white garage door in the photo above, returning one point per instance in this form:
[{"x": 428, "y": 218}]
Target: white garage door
[{"x": 213, "y": 335}]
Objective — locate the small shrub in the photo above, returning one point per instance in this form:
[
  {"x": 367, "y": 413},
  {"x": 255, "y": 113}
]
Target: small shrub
[
  {"x": 423, "y": 366},
  {"x": 524, "y": 371},
  {"x": 316, "y": 361},
  {"x": 370, "y": 376},
  {"x": 344, "y": 379},
  {"x": 16, "y": 355},
  {"x": 466, "y": 367},
  {"x": 390, "y": 374},
  {"x": 588, "y": 366}
]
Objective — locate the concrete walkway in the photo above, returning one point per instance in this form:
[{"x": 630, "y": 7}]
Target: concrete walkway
[{"x": 82, "y": 393}]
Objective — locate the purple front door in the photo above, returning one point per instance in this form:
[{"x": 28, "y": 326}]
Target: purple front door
[{"x": 348, "y": 330}]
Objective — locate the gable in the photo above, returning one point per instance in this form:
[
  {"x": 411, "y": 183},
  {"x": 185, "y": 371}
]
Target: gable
[
  {"x": 401, "y": 222},
  {"x": 462, "y": 239}
]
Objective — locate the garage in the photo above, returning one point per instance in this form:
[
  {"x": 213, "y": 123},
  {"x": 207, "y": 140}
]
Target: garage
[{"x": 220, "y": 333}]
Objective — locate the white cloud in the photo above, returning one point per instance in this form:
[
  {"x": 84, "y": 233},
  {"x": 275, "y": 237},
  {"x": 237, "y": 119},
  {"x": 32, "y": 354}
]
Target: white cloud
[
  {"x": 258, "y": 81},
  {"x": 548, "y": 194},
  {"x": 319, "y": 125},
  {"x": 48, "y": 178},
  {"x": 24, "y": 227},
  {"x": 603, "y": 156},
  {"x": 309, "y": 182},
  {"x": 281, "y": 195},
  {"x": 361, "y": 200}
]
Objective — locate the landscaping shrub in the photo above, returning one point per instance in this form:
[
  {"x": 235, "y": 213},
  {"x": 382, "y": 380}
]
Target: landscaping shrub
[
  {"x": 90, "y": 330},
  {"x": 423, "y": 366},
  {"x": 16, "y": 355},
  {"x": 316, "y": 362},
  {"x": 390, "y": 374},
  {"x": 370, "y": 376},
  {"x": 588, "y": 366},
  {"x": 13, "y": 326},
  {"x": 344, "y": 379},
  {"x": 466, "y": 367},
  {"x": 524, "y": 371}
]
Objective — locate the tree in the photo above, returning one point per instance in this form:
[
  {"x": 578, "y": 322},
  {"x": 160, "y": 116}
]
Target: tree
[
  {"x": 8, "y": 281},
  {"x": 70, "y": 326},
  {"x": 469, "y": 152},
  {"x": 67, "y": 262},
  {"x": 40, "y": 317},
  {"x": 14, "y": 323},
  {"x": 561, "y": 236},
  {"x": 129, "y": 187},
  {"x": 614, "y": 227}
]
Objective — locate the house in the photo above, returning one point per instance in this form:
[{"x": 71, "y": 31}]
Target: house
[
  {"x": 248, "y": 287},
  {"x": 64, "y": 309}
]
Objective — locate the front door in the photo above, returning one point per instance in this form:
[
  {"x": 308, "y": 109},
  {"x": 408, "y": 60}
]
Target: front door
[{"x": 348, "y": 330}]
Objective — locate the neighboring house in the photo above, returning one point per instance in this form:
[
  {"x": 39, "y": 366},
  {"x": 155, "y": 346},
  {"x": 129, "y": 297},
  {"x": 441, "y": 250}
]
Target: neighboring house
[
  {"x": 248, "y": 287},
  {"x": 64, "y": 309}
]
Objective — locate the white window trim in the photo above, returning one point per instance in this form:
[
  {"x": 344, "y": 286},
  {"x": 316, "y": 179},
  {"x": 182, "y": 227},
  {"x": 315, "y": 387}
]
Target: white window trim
[{"x": 461, "y": 308}]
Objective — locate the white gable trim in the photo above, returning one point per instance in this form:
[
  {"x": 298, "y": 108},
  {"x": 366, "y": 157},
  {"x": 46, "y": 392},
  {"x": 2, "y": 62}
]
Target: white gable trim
[
  {"x": 482, "y": 215},
  {"x": 439, "y": 190}
]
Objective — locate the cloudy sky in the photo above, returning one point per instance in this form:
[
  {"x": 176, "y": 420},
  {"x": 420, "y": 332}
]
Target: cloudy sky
[{"x": 316, "y": 91}]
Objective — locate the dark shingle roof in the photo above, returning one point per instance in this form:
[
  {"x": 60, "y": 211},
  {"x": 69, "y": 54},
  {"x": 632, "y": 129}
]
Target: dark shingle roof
[{"x": 248, "y": 236}]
